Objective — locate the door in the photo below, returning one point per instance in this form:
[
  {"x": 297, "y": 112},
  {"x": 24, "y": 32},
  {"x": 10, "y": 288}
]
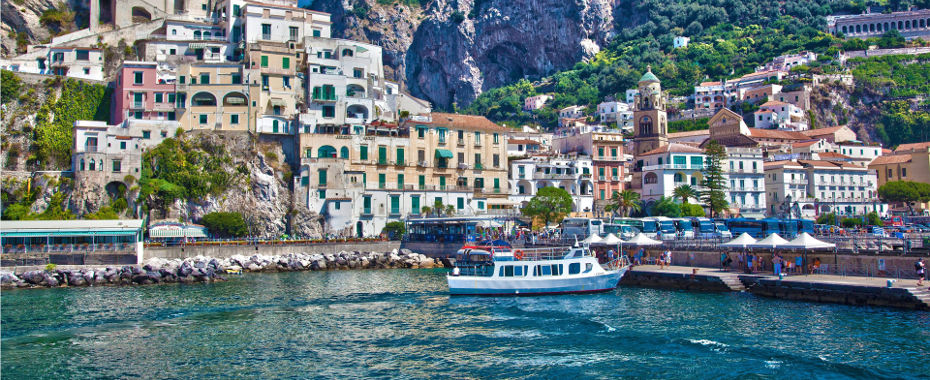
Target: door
[{"x": 359, "y": 229}]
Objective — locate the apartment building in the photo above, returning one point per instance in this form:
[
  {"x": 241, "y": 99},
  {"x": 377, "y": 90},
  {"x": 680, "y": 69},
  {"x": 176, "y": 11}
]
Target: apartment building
[
  {"x": 144, "y": 91},
  {"x": 780, "y": 115},
  {"x": 66, "y": 61},
  {"x": 535, "y": 102},
  {"x": 361, "y": 178},
  {"x": 746, "y": 177},
  {"x": 814, "y": 187},
  {"x": 216, "y": 96},
  {"x": 103, "y": 154},
  {"x": 670, "y": 166},
  {"x": 569, "y": 172}
]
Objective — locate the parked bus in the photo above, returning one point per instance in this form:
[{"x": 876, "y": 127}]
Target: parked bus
[
  {"x": 648, "y": 227},
  {"x": 722, "y": 231},
  {"x": 758, "y": 229},
  {"x": 667, "y": 228},
  {"x": 622, "y": 231},
  {"x": 684, "y": 228},
  {"x": 704, "y": 228},
  {"x": 581, "y": 228},
  {"x": 791, "y": 228}
]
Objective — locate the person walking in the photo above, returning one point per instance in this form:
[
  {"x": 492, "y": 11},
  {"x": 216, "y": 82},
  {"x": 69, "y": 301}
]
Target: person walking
[
  {"x": 668, "y": 258},
  {"x": 723, "y": 261},
  {"x": 799, "y": 264},
  {"x": 776, "y": 265},
  {"x": 921, "y": 269}
]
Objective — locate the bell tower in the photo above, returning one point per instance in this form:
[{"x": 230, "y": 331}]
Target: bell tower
[{"x": 650, "y": 122}]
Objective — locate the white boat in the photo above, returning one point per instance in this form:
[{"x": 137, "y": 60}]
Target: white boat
[{"x": 498, "y": 270}]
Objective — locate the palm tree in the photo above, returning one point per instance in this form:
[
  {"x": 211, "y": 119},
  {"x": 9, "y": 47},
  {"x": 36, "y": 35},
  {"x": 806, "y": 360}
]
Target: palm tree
[
  {"x": 625, "y": 202},
  {"x": 684, "y": 192}
]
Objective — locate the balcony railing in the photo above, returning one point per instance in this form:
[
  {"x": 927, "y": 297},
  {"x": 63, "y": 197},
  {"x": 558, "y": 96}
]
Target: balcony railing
[
  {"x": 479, "y": 166},
  {"x": 325, "y": 98}
]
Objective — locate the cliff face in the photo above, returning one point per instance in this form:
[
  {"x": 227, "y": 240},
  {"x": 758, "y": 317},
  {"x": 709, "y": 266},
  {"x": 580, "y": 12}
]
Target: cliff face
[
  {"x": 450, "y": 51},
  {"x": 20, "y": 19}
]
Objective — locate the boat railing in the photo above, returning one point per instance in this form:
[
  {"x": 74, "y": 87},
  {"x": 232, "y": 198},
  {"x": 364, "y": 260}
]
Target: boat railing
[
  {"x": 617, "y": 263},
  {"x": 547, "y": 253}
]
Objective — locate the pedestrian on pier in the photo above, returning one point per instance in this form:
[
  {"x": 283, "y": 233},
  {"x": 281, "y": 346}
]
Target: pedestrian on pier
[
  {"x": 921, "y": 271},
  {"x": 776, "y": 265},
  {"x": 799, "y": 264}
]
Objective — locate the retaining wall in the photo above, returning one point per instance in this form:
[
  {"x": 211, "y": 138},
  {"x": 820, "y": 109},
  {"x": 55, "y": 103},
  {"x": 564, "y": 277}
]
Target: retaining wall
[
  {"x": 833, "y": 293},
  {"x": 225, "y": 251},
  {"x": 672, "y": 280}
]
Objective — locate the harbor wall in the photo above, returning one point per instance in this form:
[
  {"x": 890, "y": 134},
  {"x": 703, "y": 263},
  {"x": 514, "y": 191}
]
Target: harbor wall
[
  {"x": 673, "y": 280},
  {"x": 225, "y": 251},
  {"x": 852, "y": 265},
  {"x": 846, "y": 294}
]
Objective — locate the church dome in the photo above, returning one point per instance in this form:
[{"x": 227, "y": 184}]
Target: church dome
[{"x": 649, "y": 76}]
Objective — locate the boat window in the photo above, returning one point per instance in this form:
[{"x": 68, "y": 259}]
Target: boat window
[
  {"x": 508, "y": 271},
  {"x": 588, "y": 267},
  {"x": 574, "y": 268},
  {"x": 518, "y": 271},
  {"x": 544, "y": 270},
  {"x": 556, "y": 269},
  {"x": 501, "y": 272}
]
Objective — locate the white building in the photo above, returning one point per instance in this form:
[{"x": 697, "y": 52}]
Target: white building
[
  {"x": 746, "y": 179},
  {"x": 104, "y": 153},
  {"x": 780, "y": 115},
  {"x": 615, "y": 112},
  {"x": 571, "y": 173},
  {"x": 631, "y": 95},
  {"x": 524, "y": 143},
  {"x": 789, "y": 61},
  {"x": 278, "y": 21},
  {"x": 535, "y": 102},
  {"x": 814, "y": 187},
  {"x": 668, "y": 167},
  {"x": 66, "y": 61},
  {"x": 680, "y": 41},
  {"x": 570, "y": 114}
]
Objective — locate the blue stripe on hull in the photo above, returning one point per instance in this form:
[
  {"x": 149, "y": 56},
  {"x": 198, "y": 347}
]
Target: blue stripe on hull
[
  {"x": 582, "y": 285},
  {"x": 467, "y": 292}
]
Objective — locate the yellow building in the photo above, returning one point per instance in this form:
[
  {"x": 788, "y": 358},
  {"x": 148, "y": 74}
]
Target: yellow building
[
  {"x": 911, "y": 166},
  {"x": 272, "y": 68},
  {"x": 360, "y": 178},
  {"x": 215, "y": 96}
]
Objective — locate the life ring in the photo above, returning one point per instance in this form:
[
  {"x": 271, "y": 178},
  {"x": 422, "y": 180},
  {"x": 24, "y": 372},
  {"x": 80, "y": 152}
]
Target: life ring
[{"x": 518, "y": 254}]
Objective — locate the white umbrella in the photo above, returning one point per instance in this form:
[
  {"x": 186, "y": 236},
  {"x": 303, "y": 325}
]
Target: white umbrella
[
  {"x": 642, "y": 240},
  {"x": 771, "y": 242},
  {"x": 593, "y": 239},
  {"x": 743, "y": 241},
  {"x": 611, "y": 239},
  {"x": 806, "y": 241}
]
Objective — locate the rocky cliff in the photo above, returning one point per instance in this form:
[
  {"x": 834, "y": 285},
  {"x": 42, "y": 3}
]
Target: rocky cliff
[{"x": 22, "y": 21}]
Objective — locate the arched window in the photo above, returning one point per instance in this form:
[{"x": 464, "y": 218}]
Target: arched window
[
  {"x": 93, "y": 165},
  {"x": 207, "y": 35},
  {"x": 203, "y": 99},
  {"x": 645, "y": 126},
  {"x": 679, "y": 178},
  {"x": 326, "y": 151},
  {"x": 100, "y": 165},
  {"x": 196, "y": 34},
  {"x": 347, "y": 52},
  {"x": 344, "y": 152},
  {"x": 82, "y": 164},
  {"x": 650, "y": 178}
]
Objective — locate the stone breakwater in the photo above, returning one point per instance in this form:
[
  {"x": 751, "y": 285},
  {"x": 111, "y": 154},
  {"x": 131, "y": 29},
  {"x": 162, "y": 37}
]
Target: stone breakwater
[{"x": 208, "y": 269}]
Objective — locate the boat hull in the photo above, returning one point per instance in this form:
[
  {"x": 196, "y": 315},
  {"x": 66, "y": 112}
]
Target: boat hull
[{"x": 491, "y": 286}]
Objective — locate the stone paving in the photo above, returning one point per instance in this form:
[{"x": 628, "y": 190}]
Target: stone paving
[{"x": 817, "y": 278}]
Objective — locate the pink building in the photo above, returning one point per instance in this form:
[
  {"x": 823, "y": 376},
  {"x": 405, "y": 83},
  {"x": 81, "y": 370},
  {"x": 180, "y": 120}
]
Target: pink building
[{"x": 142, "y": 92}]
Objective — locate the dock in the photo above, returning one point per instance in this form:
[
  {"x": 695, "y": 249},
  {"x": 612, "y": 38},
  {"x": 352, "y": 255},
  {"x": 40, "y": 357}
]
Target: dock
[{"x": 848, "y": 290}]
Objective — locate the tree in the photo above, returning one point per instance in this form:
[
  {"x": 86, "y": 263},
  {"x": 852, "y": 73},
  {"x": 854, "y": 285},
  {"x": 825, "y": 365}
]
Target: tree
[
  {"x": 684, "y": 192},
  {"x": 827, "y": 219},
  {"x": 714, "y": 197},
  {"x": 225, "y": 224},
  {"x": 873, "y": 219},
  {"x": 427, "y": 210},
  {"x": 624, "y": 202},
  {"x": 906, "y": 192},
  {"x": 550, "y": 204},
  {"x": 688, "y": 209},
  {"x": 666, "y": 207},
  {"x": 394, "y": 230},
  {"x": 9, "y": 86}
]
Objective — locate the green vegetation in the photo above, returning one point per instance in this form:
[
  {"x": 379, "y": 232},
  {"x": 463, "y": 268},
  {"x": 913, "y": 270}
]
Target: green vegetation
[
  {"x": 829, "y": 219},
  {"x": 181, "y": 168},
  {"x": 59, "y": 18},
  {"x": 625, "y": 202},
  {"x": 906, "y": 192},
  {"x": 105, "y": 212},
  {"x": 225, "y": 224},
  {"x": 685, "y": 192},
  {"x": 873, "y": 219},
  {"x": 10, "y": 85},
  {"x": 715, "y": 196},
  {"x": 689, "y": 125},
  {"x": 690, "y": 209},
  {"x": 51, "y": 267},
  {"x": 894, "y": 75},
  {"x": 549, "y": 205},
  {"x": 899, "y": 124},
  {"x": 666, "y": 206},
  {"x": 55, "y": 119},
  {"x": 394, "y": 230},
  {"x": 56, "y": 210},
  {"x": 728, "y": 38}
]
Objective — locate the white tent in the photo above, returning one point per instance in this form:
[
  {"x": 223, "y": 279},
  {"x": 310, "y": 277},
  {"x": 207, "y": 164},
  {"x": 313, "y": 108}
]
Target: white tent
[
  {"x": 743, "y": 241},
  {"x": 593, "y": 239},
  {"x": 642, "y": 240},
  {"x": 806, "y": 241},
  {"x": 771, "y": 242},
  {"x": 489, "y": 224},
  {"x": 611, "y": 239}
]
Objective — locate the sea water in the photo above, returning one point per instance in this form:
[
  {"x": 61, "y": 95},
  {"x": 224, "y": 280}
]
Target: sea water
[{"x": 403, "y": 324}]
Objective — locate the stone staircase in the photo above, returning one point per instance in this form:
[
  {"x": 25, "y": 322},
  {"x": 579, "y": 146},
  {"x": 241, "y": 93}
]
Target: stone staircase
[
  {"x": 921, "y": 294},
  {"x": 733, "y": 282}
]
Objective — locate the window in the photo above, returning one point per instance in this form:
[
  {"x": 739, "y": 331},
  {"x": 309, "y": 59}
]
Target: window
[
  {"x": 236, "y": 79},
  {"x": 264, "y": 61},
  {"x": 481, "y": 205},
  {"x": 478, "y": 161},
  {"x": 329, "y": 111},
  {"x": 615, "y": 171},
  {"x": 460, "y": 203},
  {"x": 600, "y": 151},
  {"x": 122, "y": 145},
  {"x": 137, "y": 77},
  {"x": 422, "y": 182},
  {"x": 400, "y": 181},
  {"x": 442, "y": 135},
  {"x": 117, "y": 166},
  {"x": 322, "y": 177},
  {"x": 698, "y": 162},
  {"x": 321, "y": 193},
  {"x": 146, "y": 135},
  {"x": 366, "y": 204},
  {"x": 382, "y": 155},
  {"x": 236, "y": 10},
  {"x": 285, "y": 62},
  {"x": 293, "y": 32},
  {"x": 205, "y": 78},
  {"x": 400, "y": 156},
  {"x": 421, "y": 132},
  {"x": 395, "y": 204},
  {"x": 574, "y": 268},
  {"x": 358, "y": 73},
  {"x": 203, "y": 119},
  {"x": 496, "y": 159},
  {"x": 265, "y": 81},
  {"x": 382, "y": 178},
  {"x": 363, "y": 152},
  {"x": 233, "y": 119},
  {"x": 266, "y": 31},
  {"x": 600, "y": 173},
  {"x": 613, "y": 152},
  {"x": 316, "y": 32},
  {"x": 415, "y": 204},
  {"x": 461, "y": 136},
  {"x": 496, "y": 138},
  {"x": 497, "y": 184},
  {"x": 477, "y": 138},
  {"x": 159, "y": 97},
  {"x": 903, "y": 172}
]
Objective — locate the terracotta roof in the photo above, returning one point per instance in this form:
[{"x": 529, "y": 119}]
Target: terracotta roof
[
  {"x": 886, "y": 151},
  {"x": 893, "y": 159},
  {"x": 768, "y": 164},
  {"x": 699, "y": 132},
  {"x": 764, "y": 111},
  {"x": 773, "y": 103},
  {"x": 733, "y": 141},
  {"x": 710, "y": 83},
  {"x": 776, "y": 134},
  {"x": 804, "y": 144},
  {"x": 911, "y": 147},
  {"x": 522, "y": 141},
  {"x": 674, "y": 148},
  {"x": 833, "y": 155},
  {"x": 459, "y": 121},
  {"x": 822, "y": 131},
  {"x": 826, "y": 164},
  {"x": 287, "y": 7}
]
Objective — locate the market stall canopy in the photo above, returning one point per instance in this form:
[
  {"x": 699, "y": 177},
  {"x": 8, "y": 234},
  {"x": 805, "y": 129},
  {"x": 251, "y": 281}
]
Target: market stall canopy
[
  {"x": 611, "y": 239},
  {"x": 743, "y": 241},
  {"x": 641, "y": 239},
  {"x": 489, "y": 224},
  {"x": 771, "y": 242},
  {"x": 593, "y": 239},
  {"x": 806, "y": 241}
]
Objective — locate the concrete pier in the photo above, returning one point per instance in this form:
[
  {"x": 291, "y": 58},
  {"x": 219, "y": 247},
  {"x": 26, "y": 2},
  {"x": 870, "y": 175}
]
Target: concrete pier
[{"x": 848, "y": 290}]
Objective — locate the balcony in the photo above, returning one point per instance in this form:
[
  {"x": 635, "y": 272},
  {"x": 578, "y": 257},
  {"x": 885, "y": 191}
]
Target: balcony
[
  {"x": 325, "y": 98},
  {"x": 382, "y": 161},
  {"x": 400, "y": 163},
  {"x": 479, "y": 166},
  {"x": 672, "y": 166},
  {"x": 553, "y": 176}
]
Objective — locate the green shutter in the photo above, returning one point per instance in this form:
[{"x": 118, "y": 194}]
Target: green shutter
[
  {"x": 264, "y": 61},
  {"x": 415, "y": 204},
  {"x": 322, "y": 177},
  {"x": 400, "y": 156},
  {"x": 382, "y": 155},
  {"x": 697, "y": 161},
  {"x": 497, "y": 184},
  {"x": 442, "y": 182},
  {"x": 363, "y": 152},
  {"x": 381, "y": 180},
  {"x": 461, "y": 203},
  {"x": 400, "y": 181},
  {"x": 680, "y": 160},
  {"x": 422, "y": 182},
  {"x": 285, "y": 63}
]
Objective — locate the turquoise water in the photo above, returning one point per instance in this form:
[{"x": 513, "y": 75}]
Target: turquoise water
[{"x": 401, "y": 324}]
